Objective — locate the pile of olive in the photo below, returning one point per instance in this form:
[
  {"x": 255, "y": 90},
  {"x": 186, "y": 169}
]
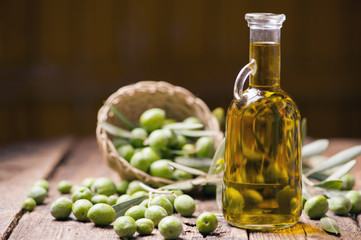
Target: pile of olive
[
  {"x": 159, "y": 140},
  {"x": 93, "y": 201}
]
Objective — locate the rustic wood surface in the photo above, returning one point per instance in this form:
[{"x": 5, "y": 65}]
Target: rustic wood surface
[{"x": 75, "y": 159}]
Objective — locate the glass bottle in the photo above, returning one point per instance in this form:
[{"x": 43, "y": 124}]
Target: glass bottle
[{"x": 262, "y": 177}]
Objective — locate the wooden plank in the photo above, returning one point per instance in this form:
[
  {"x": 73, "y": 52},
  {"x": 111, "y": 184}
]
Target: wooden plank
[{"x": 20, "y": 166}]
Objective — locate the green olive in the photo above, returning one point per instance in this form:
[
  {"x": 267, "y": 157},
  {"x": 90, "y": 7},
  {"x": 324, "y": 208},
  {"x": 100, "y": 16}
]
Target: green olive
[
  {"x": 259, "y": 178},
  {"x": 205, "y": 147},
  {"x": 126, "y": 151},
  {"x": 191, "y": 120},
  {"x": 185, "y": 205},
  {"x": 152, "y": 119},
  {"x": 42, "y": 183},
  {"x": 161, "y": 168},
  {"x": 188, "y": 149},
  {"x": 136, "y": 212},
  {"x": 134, "y": 186},
  {"x": 295, "y": 205},
  {"x": 172, "y": 137},
  {"x": 179, "y": 175},
  {"x": 103, "y": 185},
  {"x": 145, "y": 226},
  {"x": 87, "y": 182},
  {"x": 158, "y": 139},
  {"x": 150, "y": 154},
  {"x": 169, "y": 121},
  {"x": 206, "y": 222},
  {"x": 340, "y": 205},
  {"x": 37, "y": 193},
  {"x": 163, "y": 202},
  {"x": 181, "y": 141},
  {"x": 142, "y": 134},
  {"x": 61, "y": 208},
  {"x": 64, "y": 186},
  {"x": 234, "y": 199},
  {"x": 170, "y": 227},
  {"x": 124, "y": 226},
  {"x": 121, "y": 186},
  {"x": 316, "y": 206},
  {"x": 355, "y": 199},
  {"x": 29, "y": 204},
  {"x": 285, "y": 196},
  {"x": 348, "y": 182},
  {"x": 275, "y": 174},
  {"x": 99, "y": 199},
  {"x": 219, "y": 114},
  {"x": 139, "y": 161},
  {"x": 252, "y": 197}
]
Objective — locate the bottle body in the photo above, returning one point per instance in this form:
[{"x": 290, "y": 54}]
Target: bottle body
[{"x": 262, "y": 177}]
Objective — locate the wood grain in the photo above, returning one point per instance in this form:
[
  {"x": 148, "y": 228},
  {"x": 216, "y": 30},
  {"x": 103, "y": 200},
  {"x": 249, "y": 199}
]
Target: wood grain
[{"x": 20, "y": 166}]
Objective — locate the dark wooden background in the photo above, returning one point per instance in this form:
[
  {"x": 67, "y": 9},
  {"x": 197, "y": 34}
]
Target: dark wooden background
[{"x": 59, "y": 60}]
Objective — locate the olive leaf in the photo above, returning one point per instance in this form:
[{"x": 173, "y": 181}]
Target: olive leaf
[
  {"x": 331, "y": 193},
  {"x": 330, "y": 184},
  {"x": 305, "y": 191},
  {"x": 121, "y": 208},
  {"x": 219, "y": 154},
  {"x": 119, "y": 142},
  {"x": 152, "y": 190},
  {"x": 116, "y": 131},
  {"x": 219, "y": 196},
  {"x": 183, "y": 152},
  {"x": 337, "y": 159},
  {"x": 303, "y": 130},
  {"x": 314, "y": 148},
  {"x": 122, "y": 118},
  {"x": 183, "y": 126},
  {"x": 329, "y": 225},
  {"x": 199, "y": 163},
  {"x": 187, "y": 169},
  {"x": 196, "y": 133},
  {"x": 342, "y": 170},
  {"x": 184, "y": 186}
]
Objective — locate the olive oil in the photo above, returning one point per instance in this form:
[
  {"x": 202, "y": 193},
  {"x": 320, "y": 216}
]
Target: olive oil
[{"x": 262, "y": 177}]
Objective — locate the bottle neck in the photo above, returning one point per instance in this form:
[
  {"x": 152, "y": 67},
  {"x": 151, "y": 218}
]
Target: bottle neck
[{"x": 266, "y": 51}]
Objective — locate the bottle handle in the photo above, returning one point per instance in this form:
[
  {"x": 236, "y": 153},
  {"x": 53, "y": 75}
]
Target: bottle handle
[{"x": 250, "y": 68}]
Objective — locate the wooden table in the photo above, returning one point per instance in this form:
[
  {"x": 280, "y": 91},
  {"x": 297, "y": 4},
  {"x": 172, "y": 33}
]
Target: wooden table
[{"x": 74, "y": 159}]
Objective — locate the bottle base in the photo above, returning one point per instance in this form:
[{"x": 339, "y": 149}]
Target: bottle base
[
  {"x": 257, "y": 222},
  {"x": 261, "y": 227}
]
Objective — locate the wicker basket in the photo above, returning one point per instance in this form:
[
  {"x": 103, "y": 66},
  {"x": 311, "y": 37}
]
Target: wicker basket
[{"x": 132, "y": 101}]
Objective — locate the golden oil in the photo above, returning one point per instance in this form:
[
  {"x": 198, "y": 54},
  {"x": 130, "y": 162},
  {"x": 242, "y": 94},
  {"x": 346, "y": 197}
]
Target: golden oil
[{"x": 262, "y": 177}]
